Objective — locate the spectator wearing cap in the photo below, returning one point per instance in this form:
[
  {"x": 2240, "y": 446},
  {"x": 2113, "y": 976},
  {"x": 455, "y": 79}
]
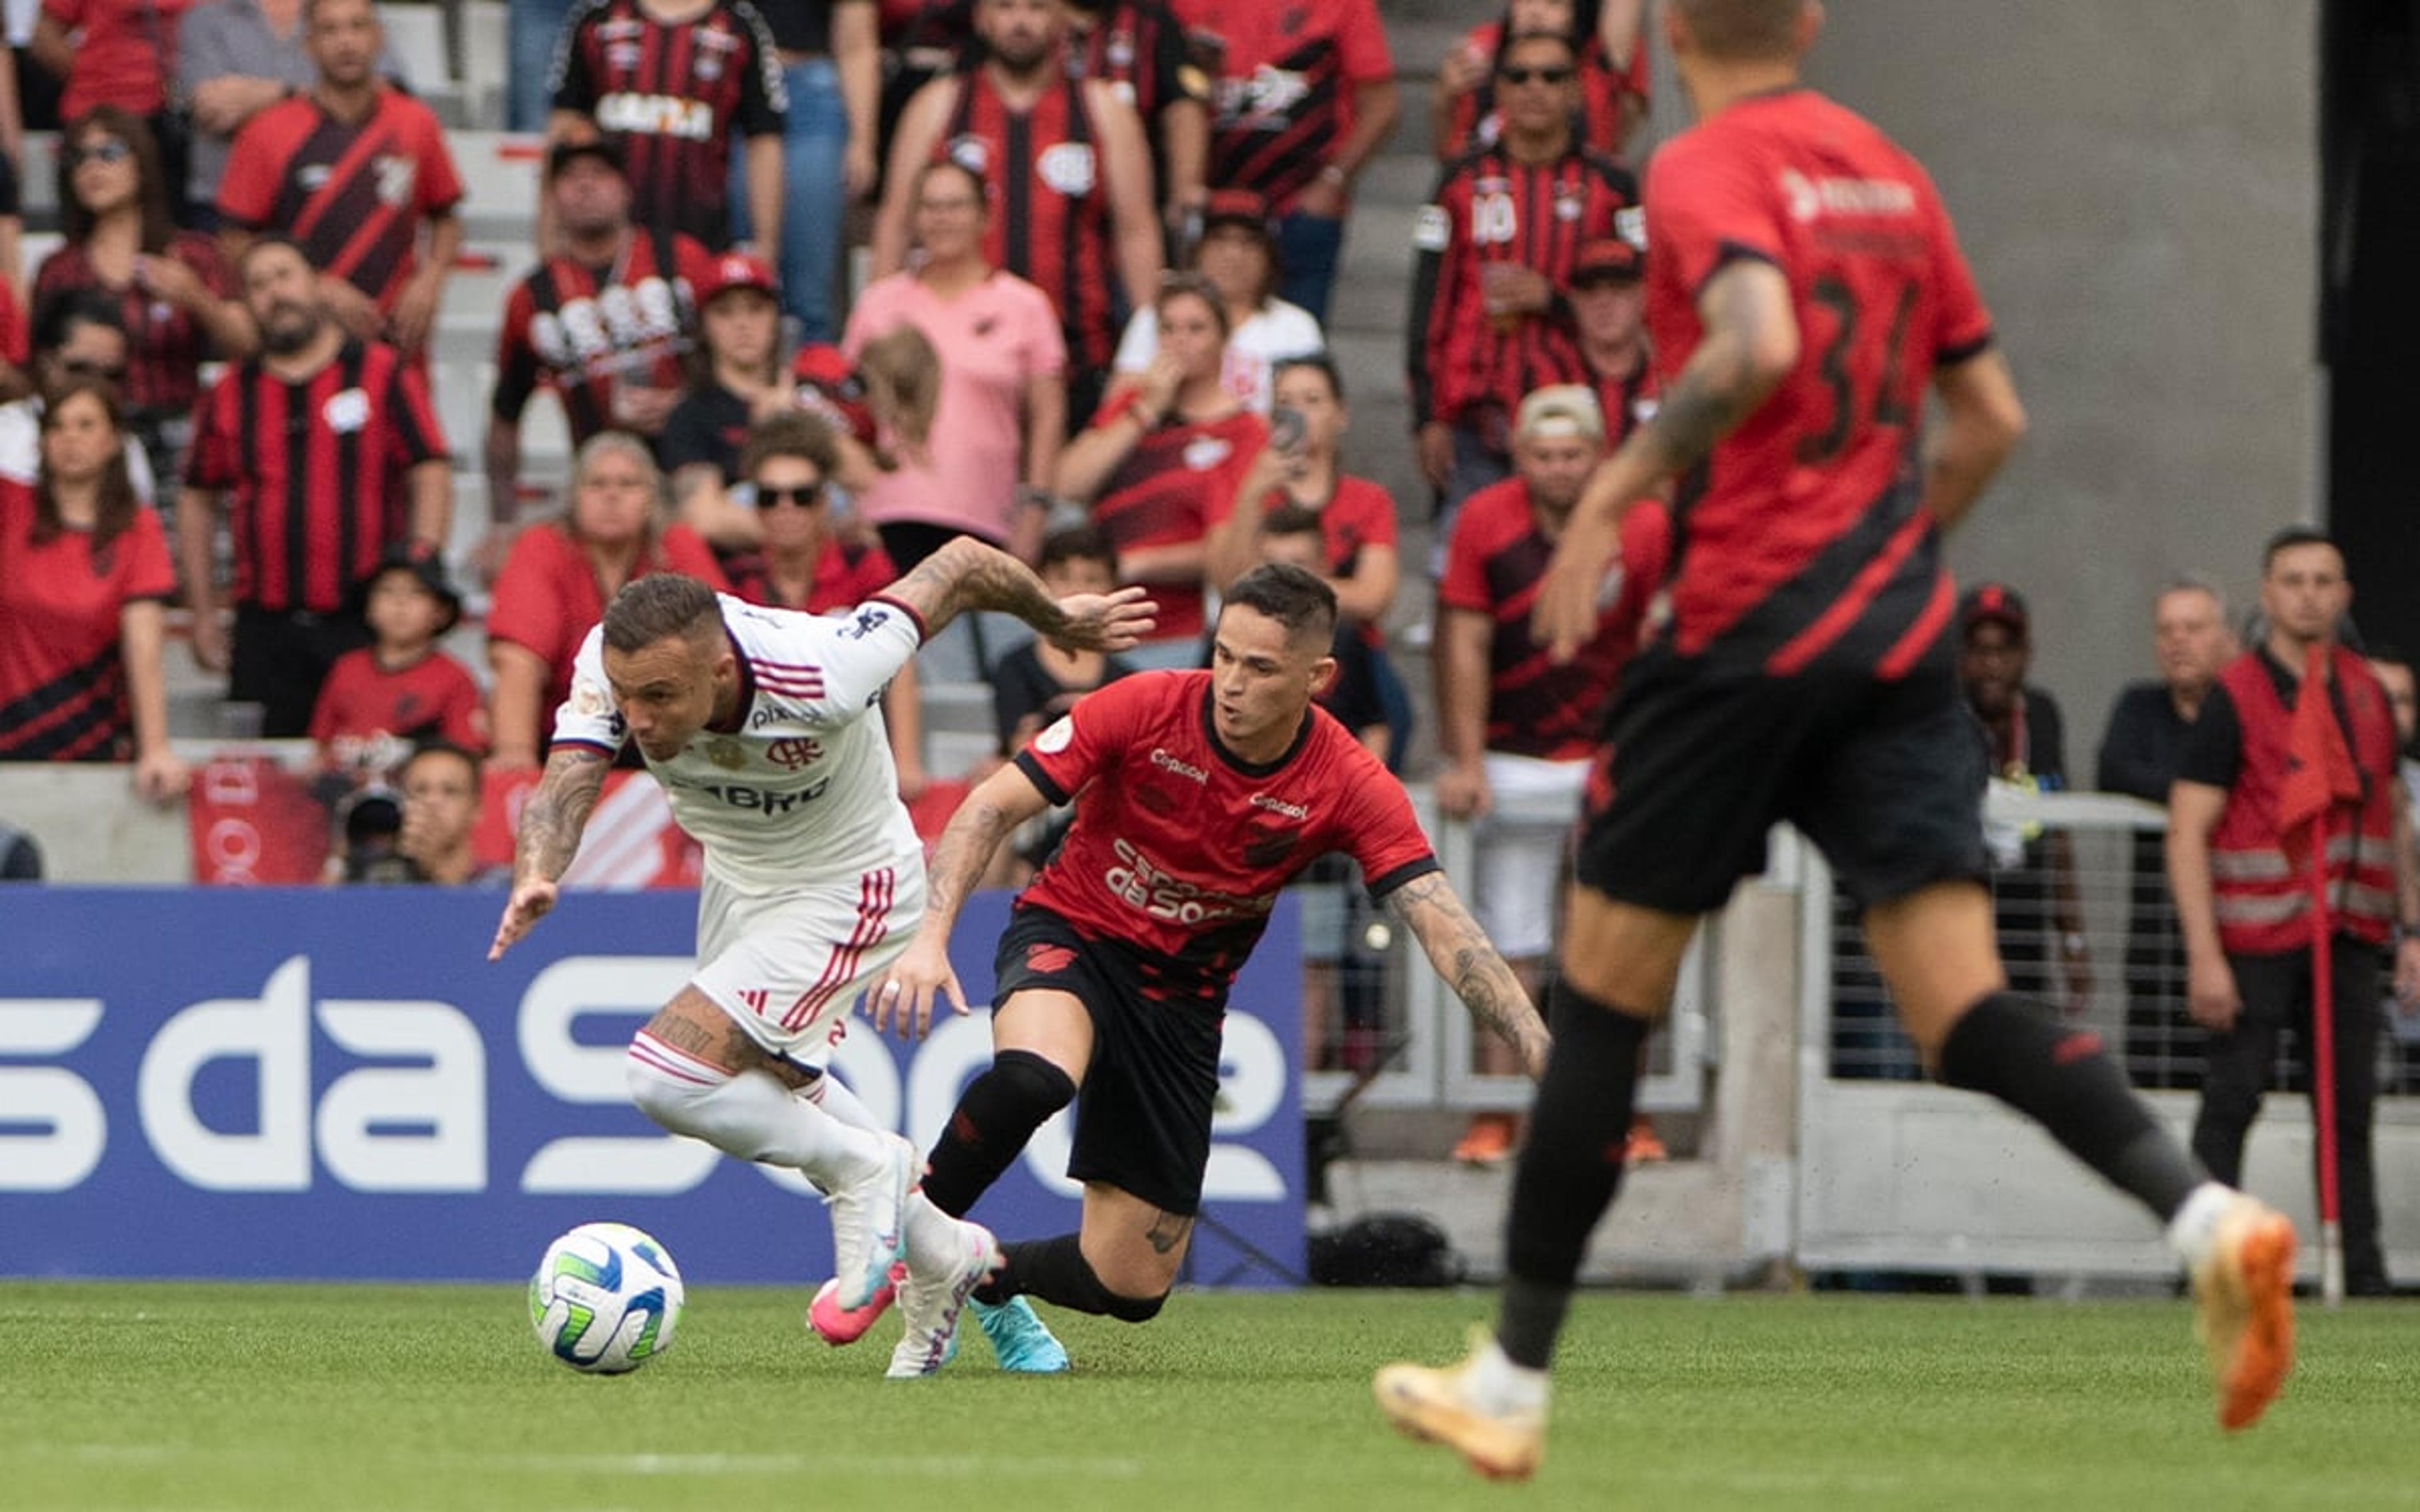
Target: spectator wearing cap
[
  {"x": 81, "y": 618},
  {"x": 1002, "y": 413},
  {"x": 676, "y": 86},
  {"x": 1490, "y": 317},
  {"x": 400, "y": 689},
  {"x": 1608, "y": 304},
  {"x": 358, "y": 174},
  {"x": 560, "y": 576},
  {"x": 2040, "y": 916},
  {"x": 310, "y": 439},
  {"x": 1075, "y": 216},
  {"x": 603, "y": 324},
  {"x": 234, "y": 59},
  {"x": 1238, "y": 253},
  {"x": 736, "y": 379},
  {"x": 1511, "y": 722}
]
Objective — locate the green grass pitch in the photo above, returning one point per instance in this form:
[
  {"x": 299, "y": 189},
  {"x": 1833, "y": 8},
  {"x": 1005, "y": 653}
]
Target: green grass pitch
[{"x": 286, "y": 1398}]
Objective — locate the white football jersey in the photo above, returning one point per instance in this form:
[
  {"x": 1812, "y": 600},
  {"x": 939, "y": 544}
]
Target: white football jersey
[{"x": 799, "y": 790}]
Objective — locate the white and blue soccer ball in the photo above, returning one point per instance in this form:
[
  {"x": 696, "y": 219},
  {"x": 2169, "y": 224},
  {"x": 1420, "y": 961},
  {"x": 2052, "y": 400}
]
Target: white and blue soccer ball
[{"x": 606, "y": 1299}]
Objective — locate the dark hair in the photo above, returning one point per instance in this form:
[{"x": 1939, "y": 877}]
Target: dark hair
[
  {"x": 791, "y": 433},
  {"x": 659, "y": 607},
  {"x": 261, "y": 243},
  {"x": 974, "y": 179},
  {"x": 61, "y": 311},
  {"x": 1296, "y": 599},
  {"x": 1078, "y": 543},
  {"x": 1192, "y": 286},
  {"x": 1741, "y": 30},
  {"x": 2391, "y": 653},
  {"x": 2292, "y": 536},
  {"x": 1511, "y": 39},
  {"x": 1292, "y": 519},
  {"x": 115, "y": 505},
  {"x": 436, "y": 746},
  {"x": 1320, "y": 362},
  {"x": 150, "y": 186}
]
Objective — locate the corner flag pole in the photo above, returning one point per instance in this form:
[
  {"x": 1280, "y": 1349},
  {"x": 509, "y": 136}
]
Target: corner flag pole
[{"x": 2323, "y": 1074}]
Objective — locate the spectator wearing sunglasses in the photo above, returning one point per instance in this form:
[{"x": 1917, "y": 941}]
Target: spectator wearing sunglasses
[
  {"x": 174, "y": 292},
  {"x": 789, "y": 462},
  {"x": 80, "y": 337},
  {"x": 1490, "y": 317}
]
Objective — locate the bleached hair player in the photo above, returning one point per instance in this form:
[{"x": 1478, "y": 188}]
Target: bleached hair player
[{"x": 762, "y": 729}]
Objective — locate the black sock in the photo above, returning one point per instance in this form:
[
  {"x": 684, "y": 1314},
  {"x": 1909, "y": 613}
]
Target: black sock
[
  {"x": 996, "y": 1116},
  {"x": 1055, "y": 1270},
  {"x": 1570, "y": 1167},
  {"x": 2016, "y": 1050}
]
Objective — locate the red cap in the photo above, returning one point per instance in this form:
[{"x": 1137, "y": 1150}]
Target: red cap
[
  {"x": 1236, "y": 207},
  {"x": 1608, "y": 257},
  {"x": 739, "y": 270}
]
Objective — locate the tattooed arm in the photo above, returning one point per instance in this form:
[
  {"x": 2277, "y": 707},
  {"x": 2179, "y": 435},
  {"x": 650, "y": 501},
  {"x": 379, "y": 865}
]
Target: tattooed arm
[
  {"x": 967, "y": 575},
  {"x": 549, "y": 838},
  {"x": 1471, "y": 966},
  {"x": 920, "y": 978},
  {"x": 1750, "y": 344}
]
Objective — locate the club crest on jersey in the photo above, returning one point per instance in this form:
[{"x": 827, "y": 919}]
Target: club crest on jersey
[
  {"x": 1068, "y": 169},
  {"x": 1567, "y": 205},
  {"x": 1203, "y": 453},
  {"x": 347, "y": 413},
  {"x": 396, "y": 174},
  {"x": 869, "y": 619},
  {"x": 726, "y": 752},
  {"x": 791, "y": 753}
]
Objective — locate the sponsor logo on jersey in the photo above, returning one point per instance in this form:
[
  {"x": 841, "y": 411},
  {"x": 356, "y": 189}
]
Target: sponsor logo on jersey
[
  {"x": 761, "y": 800},
  {"x": 1166, "y": 762},
  {"x": 1291, "y": 810},
  {"x": 1140, "y": 884},
  {"x": 870, "y": 618},
  {"x": 656, "y": 116},
  {"x": 1809, "y": 197}
]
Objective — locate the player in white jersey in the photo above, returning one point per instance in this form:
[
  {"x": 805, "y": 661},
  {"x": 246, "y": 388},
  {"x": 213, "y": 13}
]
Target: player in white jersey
[{"x": 762, "y": 726}]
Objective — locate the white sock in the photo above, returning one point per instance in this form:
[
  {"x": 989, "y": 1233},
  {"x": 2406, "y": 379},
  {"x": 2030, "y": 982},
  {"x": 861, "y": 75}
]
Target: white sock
[
  {"x": 2195, "y": 1228},
  {"x": 750, "y": 1115},
  {"x": 933, "y": 1245},
  {"x": 829, "y": 1093},
  {"x": 1499, "y": 1385}
]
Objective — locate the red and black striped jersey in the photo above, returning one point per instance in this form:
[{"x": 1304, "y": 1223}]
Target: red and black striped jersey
[
  {"x": 1138, "y": 48},
  {"x": 1180, "y": 846},
  {"x": 352, "y": 194},
  {"x": 166, "y": 344},
  {"x": 1597, "y": 122},
  {"x": 1176, "y": 486},
  {"x": 62, "y": 668},
  {"x": 1284, "y": 76},
  {"x": 1050, "y": 219},
  {"x": 675, "y": 98},
  {"x": 1466, "y": 365},
  {"x": 1494, "y": 564},
  {"x": 1802, "y": 533},
  {"x": 317, "y": 470},
  {"x": 580, "y": 330},
  {"x": 1626, "y": 401}
]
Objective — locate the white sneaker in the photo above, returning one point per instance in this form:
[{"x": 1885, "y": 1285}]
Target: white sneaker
[
  {"x": 932, "y": 1303},
  {"x": 869, "y": 1223}
]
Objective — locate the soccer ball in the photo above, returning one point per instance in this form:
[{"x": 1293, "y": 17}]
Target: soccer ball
[{"x": 605, "y": 1298}]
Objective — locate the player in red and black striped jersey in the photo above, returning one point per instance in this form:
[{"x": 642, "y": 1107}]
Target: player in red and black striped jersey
[
  {"x": 1069, "y": 175},
  {"x": 1303, "y": 93},
  {"x": 676, "y": 93},
  {"x": 309, "y": 439},
  {"x": 1138, "y": 47},
  {"x": 355, "y": 170},
  {"x": 604, "y": 323},
  {"x": 1807, "y": 291},
  {"x": 1490, "y": 321},
  {"x": 1199, "y": 794}
]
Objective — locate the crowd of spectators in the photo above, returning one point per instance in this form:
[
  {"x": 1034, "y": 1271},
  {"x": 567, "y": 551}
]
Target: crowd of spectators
[{"x": 1101, "y": 238}]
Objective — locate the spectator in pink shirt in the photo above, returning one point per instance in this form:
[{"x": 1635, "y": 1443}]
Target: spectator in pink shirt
[{"x": 996, "y": 430}]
